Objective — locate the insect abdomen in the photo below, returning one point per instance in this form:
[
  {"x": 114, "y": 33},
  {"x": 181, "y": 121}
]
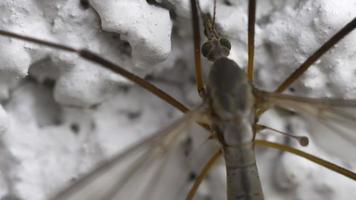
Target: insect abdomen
[{"x": 243, "y": 182}]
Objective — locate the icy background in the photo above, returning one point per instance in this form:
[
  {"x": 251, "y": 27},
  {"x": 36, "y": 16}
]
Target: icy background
[{"x": 60, "y": 115}]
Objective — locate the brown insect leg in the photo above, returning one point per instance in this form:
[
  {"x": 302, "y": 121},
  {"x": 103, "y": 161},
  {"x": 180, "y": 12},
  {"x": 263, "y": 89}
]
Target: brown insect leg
[
  {"x": 317, "y": 54},
  {"x": 196, "y": 32},
  {"x": 251, "y": 38},
  {"x": 106, "y": 64},
  {"x": 319, "y": 161},
  {"x": 132, "y": 77},
  {"x": 314, "y": 57}
]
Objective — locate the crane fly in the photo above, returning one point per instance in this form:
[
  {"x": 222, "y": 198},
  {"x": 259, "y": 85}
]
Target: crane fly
[{"x": 230, "y": 110}]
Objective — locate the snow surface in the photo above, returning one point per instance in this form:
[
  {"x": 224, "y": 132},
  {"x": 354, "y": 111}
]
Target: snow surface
[{"x": 61, "y": 115}]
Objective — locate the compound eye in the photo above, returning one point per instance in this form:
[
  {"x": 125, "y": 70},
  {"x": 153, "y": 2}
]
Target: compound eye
[
  {"x": 206, "y": 49},
  {"x": 225, "y": 43}
]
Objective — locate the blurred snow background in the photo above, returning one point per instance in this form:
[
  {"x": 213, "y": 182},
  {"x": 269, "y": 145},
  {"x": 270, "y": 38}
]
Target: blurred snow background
[{"x": 60, "y": 115}]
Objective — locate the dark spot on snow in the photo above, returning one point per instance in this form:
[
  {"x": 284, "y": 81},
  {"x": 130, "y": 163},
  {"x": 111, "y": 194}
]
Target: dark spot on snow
[
  {"x": 291, "y": 89},
  {"x": 126, "y": 48},
  {"x": 132, "y": 115},
  {"x": 152, "y": 2},
  {"x": 49, "y": 83},
  {"x": 75, "y": 128},
  {"x": 192, "y": 176},
  {"x": 149, "y": 77},
  {"x": 227, "y": 2},
  {"x": 187, "y": 146},
  {"x": 57, "y": 120},
  {"x": 94, "y": 106},
  {"x": 73, "y": 179},
  {"x": 92, "y": 125},
  {"x": 115, "y": 36},
  {"x": 192, "y": 79},
  {"x": 124, "y": 88},
  {"x": 84, "y": 4}
]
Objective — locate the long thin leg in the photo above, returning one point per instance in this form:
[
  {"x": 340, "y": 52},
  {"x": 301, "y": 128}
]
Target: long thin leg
[
  {"x": 307, "y": 156},
  {"x": 196, "y": 31},
  {"x": 106, "y": 64},
  {"x": 251, "y": 38},
  {"x": 316, "y": 55}
]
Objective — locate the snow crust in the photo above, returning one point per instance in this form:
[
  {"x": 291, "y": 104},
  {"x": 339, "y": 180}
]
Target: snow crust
[{"x": 61, "y": 115}]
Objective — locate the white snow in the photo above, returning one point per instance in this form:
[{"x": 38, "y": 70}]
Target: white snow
[{"x": 137, "y": 23}]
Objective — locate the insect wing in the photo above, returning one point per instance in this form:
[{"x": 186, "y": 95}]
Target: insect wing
[
  {"x": 138, "y": 172},
  {"x": 332, "y": 121}
]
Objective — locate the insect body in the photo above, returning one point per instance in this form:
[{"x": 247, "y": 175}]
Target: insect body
[
  {"x": 235, "y": 108},
  {"x": 232, "y": 105},
  {"x": 231, "y": 100}
]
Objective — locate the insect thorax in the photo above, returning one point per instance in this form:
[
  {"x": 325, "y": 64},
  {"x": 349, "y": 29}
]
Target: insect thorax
[{"x": 231, "y": 100}]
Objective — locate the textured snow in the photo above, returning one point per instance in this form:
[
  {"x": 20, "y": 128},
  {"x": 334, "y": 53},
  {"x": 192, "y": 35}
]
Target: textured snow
[
  {"x": 137, "y": 23},
  {"x": 60, "y": 115}
]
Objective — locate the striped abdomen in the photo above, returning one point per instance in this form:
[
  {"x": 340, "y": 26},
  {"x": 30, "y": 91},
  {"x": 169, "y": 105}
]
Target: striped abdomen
[{"x": 243, "y": 182}]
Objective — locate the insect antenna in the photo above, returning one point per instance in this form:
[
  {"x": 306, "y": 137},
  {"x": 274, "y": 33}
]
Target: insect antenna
[{"x": 214, "y": 12}]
